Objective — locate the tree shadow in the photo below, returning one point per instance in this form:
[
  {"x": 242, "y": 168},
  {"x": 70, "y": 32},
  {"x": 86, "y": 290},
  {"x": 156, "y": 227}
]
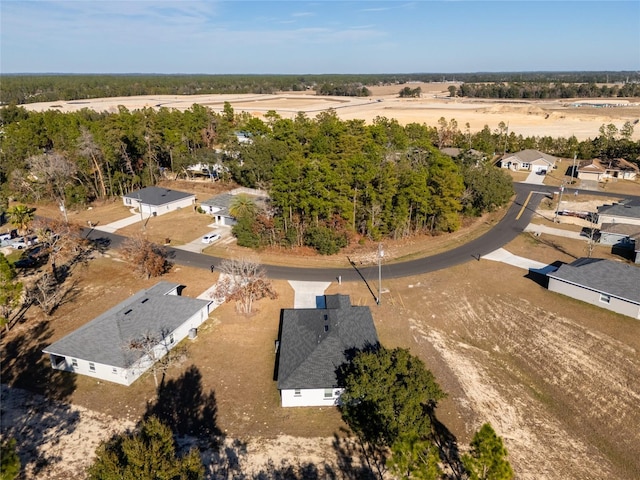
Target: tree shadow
[
  {"x": 447, "y": 444},
  {"x": 25, "y": 366},
  {"x": 353, "y": 461},
  {"x": 34, "y": 408},
  {"x": 555, "y": 246},
  {"x": 182, "y": 405},
  {"x": 296, "y": 471}
]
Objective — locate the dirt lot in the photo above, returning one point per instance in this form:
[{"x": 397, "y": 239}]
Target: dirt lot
[
  {"x": 556, "y": 118},
  {"x": 556, "y": 378}
]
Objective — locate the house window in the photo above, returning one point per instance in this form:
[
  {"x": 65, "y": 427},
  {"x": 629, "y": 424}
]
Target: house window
[
  {"x": 171, "y": 338},
  {"x": 605, "y": 298},
  {"x": 74, "y": 363},
  {"x": 526, "y": 166},
  {"x": 328, "y": 393},
  {"x": 114, "y": 370},
  {"x": 92, "y": 367},
  {"x": 297, "y": 393},
  {"x": 127, "y": 201}
]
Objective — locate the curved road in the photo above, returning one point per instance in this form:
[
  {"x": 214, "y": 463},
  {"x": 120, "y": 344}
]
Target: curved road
[{"x": 512, "y": 224}]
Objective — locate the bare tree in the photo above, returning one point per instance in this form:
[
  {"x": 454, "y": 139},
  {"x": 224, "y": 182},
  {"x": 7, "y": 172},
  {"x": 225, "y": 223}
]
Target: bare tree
[
  {"x": 63, "y": 243},
  {"x": 88, "y": 148},
  {"x": 148, "y": 259},
  {"x": 155, "y": 349},
  {"x": 48, "y": 292},
  {"x": 593, "y": 235},
  {"x": 56, "y": 172},
  {"x": 245, "y": 281}
]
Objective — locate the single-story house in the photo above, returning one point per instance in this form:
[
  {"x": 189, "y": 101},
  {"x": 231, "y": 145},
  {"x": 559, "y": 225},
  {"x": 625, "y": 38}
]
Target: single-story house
[
  {"x": 313, "y": 343},
  {"x": 627, "y": 211},
  {"x": 157, "y": 201},
  {"x": 218, "y": 206},
  {"x": 602, "y": 170},
  {"x": 104, "y": 347},
  {"x": 604, "y": 283},
  {"x": 529, "y": 160},
  {"x": 621, "y": 235}
]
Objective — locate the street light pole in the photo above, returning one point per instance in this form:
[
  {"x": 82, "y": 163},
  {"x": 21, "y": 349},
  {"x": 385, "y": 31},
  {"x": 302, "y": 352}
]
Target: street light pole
[
  {"x": 380, "y": 255},
  {"x": 555, "y": 219}
]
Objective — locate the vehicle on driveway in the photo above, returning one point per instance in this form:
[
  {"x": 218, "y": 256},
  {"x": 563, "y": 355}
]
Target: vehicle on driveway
[{"x": 211, "y": 237}]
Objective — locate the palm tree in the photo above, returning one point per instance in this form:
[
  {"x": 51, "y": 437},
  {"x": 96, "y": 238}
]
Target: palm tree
[
  {"x": 242, "y": 206},
  {"x": 21, "y": 217}
]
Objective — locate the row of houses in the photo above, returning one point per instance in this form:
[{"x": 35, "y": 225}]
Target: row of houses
[
  {"x": 154, "y": 201},
  {"x": 312, "y": 343},
  {"x": 594, "y": 170}
]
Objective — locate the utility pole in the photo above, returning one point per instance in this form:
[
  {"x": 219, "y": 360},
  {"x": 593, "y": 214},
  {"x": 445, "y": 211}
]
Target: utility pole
[
  {"x": 380, "y": 255},
  {"x": 555, "y": 219}
]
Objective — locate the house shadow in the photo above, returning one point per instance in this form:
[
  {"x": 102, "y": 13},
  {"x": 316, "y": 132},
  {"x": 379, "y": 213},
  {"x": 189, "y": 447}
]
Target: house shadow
[
  {"x": 539, "y": 275},
  {"x": 35, "y": 408},
  {"x": 186, "y": 409}
]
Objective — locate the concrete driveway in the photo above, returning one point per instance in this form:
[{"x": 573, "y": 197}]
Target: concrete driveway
[
  {"x": 535, "y": 179},
  {"x": 307, "y": 293}
]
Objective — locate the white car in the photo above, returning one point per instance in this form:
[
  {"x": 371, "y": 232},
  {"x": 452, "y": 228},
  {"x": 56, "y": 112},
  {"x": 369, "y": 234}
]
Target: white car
[{"x": 210, "y": 238}]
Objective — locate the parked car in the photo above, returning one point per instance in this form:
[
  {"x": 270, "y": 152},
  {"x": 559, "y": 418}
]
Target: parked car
[
  {"x": 19, "y": 243},
  {"x": 210, "y": 238}
]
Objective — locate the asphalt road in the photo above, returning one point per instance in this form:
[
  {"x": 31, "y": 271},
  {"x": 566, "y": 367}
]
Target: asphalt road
[{"x": 511, "y": 225}]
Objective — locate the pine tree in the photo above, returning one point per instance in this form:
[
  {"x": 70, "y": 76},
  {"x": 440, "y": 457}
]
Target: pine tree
[
  {"x": 148, "y": 454},
  {"x": 487, "y": 458}
]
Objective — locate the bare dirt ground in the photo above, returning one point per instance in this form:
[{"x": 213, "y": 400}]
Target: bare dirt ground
[
  {"x": 555, "y": 377},
  {"x": 556, "y": 118}
]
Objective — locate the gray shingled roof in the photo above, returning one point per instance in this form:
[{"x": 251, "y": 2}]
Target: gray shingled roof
[
  {"x": 222, "y": 201},
  {"x": 619, "y": 280},
  {"x": 157, "y": 196},
  {"x": 629, "y": 208},
  {"x": 530, "y": 155},
  {"x": 632, "y": 231},
  {"x": 313, "y": 342},
  {"x": 104, "y": 339}
]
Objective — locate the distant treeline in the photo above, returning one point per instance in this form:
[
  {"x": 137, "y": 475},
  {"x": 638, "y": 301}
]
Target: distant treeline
[
  {"x": 20, "y": 89},
  {"x": 539, "y": 90}
]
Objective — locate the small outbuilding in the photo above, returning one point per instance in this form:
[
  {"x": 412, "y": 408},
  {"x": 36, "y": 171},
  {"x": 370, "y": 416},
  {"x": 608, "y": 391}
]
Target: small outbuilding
[
  {"x": 152, "y": 201},
  {"x": 104, "y": 347},
  {"x": 604, "y": 283},
  {"x": 313, "y": 343}
]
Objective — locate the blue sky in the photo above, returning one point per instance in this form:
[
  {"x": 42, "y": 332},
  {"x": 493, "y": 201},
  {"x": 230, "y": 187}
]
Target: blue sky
[{"x": 298, "y": 37}]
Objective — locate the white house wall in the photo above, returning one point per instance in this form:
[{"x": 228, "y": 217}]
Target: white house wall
[
  {"x": 308, "y": 397},
  {"x": 101, "y": 371},
  {"x": 126, "y": 376},
  {"x": 148, "y": 209},
  {"x": 604, "y": 218},
  {"x": 594, "y": 298}
]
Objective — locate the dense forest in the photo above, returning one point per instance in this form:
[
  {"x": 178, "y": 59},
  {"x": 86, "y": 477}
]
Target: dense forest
[
  {"x": 20, "y": 89},
  {"x": 330, "y": 181}
]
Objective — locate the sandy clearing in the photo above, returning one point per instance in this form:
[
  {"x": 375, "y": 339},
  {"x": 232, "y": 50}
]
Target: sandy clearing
[
  {"x": 499, "y": 344},
  {"x": 557, "y": 118}
]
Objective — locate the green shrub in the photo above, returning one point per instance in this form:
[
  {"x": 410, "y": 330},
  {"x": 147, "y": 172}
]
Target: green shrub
[{"x": 325, "y": 240}]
